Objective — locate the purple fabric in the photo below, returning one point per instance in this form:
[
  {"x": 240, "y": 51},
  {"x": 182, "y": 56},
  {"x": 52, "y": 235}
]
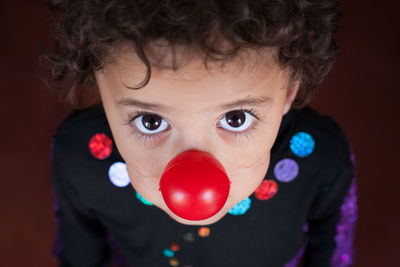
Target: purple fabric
[
  {"x": 116, "y": 254},
  {"x": 343, "y": 255},
  {"x": 297, "y": 259}
]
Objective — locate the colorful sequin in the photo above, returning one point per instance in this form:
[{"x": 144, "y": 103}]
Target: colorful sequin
[
  {"x": 266, "y": 190},
  {"x": 174, "y": 246},
  {"x": 204, "y": 231},
  {"x": 188, "y": 237},
  {"x": 118, "y": 174},
  {"x": 344, "y": 254},
  {"x": 168, "y": 253},
  {"x": 302, "y": 144},
  {"x": 286, "y": 170},
  {"x": 100, "y": 145},
  {"x": 173, "y": 262},
  {"x": 306, "y": 228},
  {"x": 144, "y": 201},
  {"x": 241, "y": 207}
]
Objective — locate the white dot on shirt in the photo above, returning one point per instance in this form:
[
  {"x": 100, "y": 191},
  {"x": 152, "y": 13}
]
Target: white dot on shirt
[{"x": 118, "y": 174}]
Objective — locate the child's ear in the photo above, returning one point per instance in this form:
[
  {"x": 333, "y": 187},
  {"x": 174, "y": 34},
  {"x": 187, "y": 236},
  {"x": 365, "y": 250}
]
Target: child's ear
[{"x": 292, "y": 93}]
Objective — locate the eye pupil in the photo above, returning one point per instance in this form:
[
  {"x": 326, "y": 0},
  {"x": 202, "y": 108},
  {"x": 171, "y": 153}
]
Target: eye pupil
[
  {"x": 151, "y": 122},
  {"x": 235, "y": 118}
]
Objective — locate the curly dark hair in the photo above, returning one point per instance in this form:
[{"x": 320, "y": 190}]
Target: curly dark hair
[{"x": 86, "y": 32}]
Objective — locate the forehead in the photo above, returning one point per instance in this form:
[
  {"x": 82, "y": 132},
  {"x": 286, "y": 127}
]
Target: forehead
[
  {"x": 187, "y": 65},
  {"x": 249, "y": 74}
]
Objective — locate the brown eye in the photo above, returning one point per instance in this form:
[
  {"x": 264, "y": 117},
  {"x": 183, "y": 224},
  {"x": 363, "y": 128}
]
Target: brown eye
[
  {"x": 235, "y": 118},
  {"x": 236, "y": 121},
  {"x": 150, "y": 123}
]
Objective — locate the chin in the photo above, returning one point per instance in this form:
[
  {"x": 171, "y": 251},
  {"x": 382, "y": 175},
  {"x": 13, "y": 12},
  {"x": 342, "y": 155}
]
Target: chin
[{"x": 211, "y": 220}]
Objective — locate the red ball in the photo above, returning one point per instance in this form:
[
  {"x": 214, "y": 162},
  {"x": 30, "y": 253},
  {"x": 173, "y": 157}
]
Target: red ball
[{"x": 194, "y": 185}]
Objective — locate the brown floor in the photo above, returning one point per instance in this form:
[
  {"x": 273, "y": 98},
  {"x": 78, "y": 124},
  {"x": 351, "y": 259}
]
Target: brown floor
[{"x": 360, "y": 93}]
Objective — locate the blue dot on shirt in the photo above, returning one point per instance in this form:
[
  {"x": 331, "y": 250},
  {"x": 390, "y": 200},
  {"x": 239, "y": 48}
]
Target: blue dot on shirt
[
  {"x": 241, "y": 207},
  {"x": 118, "y": 174},
  {"x": 302, "y": 144},
  {"x": 168, "y": 253}
]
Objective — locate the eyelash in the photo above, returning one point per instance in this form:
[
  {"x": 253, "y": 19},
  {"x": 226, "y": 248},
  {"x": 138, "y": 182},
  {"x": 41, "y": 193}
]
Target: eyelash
[{"x": 145, "y": 138}]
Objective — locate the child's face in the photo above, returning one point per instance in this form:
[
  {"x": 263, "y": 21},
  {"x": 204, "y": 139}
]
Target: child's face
[{"x": 195, "y": 103}]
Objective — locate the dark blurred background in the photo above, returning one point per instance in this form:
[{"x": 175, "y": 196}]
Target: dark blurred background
[{"x": 361, "y": 94}]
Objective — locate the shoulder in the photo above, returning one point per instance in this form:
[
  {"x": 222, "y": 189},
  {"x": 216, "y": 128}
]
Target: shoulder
[
  {"x": 80, "y": 125},
  {"x": 82, "y": 120},
  {"x": 70, "y": 143},
  {"x": 328, "y": 134},
  {"x": 330, "y": 168},
  {"x": 317, "y": 142},
  {"x": 81, "y": 163}
]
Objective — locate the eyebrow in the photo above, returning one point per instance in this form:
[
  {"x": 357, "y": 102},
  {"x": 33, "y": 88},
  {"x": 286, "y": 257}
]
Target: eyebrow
[{"x": 251, "y": 101}]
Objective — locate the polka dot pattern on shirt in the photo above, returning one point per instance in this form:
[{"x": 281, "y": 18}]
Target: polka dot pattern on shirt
[
  {"x": 100, "y": 146},
  {"x": 286, "y": 170},
  {"x": 302, "y": 144},
  {"x": 118, "y": 174},
  {"x": 144, "y": 201},
  {"x": 266, "y": 190},
  {"x": 241, "y": 207}
]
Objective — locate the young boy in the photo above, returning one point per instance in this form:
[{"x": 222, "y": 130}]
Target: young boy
[{"x": 201, "y": 152}]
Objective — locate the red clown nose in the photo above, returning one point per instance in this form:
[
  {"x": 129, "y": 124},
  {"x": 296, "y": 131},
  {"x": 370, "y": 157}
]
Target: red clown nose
[{"x": 194, "y": 185}]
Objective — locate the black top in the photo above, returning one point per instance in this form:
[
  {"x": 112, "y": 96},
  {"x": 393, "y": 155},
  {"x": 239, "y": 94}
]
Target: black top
[{"x": 99, "y": 221}]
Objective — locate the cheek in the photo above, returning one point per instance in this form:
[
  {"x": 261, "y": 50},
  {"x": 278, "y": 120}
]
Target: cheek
[
  {"x": 144, "y": 163},
  {"x": 271, "y": 127},
  {"x": 247, "y": 182},
  {"x": 256, "y": 146},
  {"x": 147, "y": 188},
  {"x": 148, "y": 162}
]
